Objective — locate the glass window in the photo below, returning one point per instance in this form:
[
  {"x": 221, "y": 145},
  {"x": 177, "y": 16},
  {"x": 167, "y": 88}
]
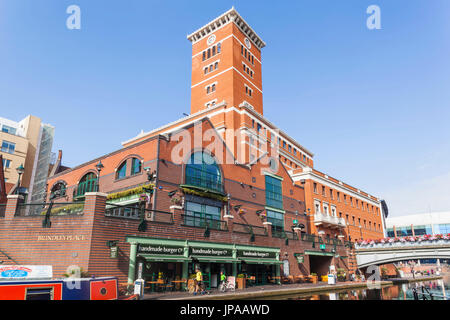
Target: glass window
[
  {"x": 274, "y": 196},
  {"x": 59, "y": 189},
  {"x": 219, "y": 47},
  {"x": 204, "y": 55},
  {"x": 202, "y": 171},
  {"x": 6, "y": 163},
  {"x": 136, "y": 166},
  {"x": 87, "y": 184},
  {"x": 277, "y": 220},
  {"x": 199, "y": 215},
  {"x": 122, "y": 171},
  {"x": 8, "y": 147},
  {"x": 441, "y": 228},
  {"x": 8, "y": 129},
  {"x": 213, "y": 50},
  {"x": 390, "y": 233}
]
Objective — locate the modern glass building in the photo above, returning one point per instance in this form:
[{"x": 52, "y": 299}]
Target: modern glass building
[{"x": 418, "y": 224}]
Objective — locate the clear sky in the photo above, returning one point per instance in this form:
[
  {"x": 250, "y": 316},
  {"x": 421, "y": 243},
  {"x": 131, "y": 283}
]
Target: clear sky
[{"x": 372, "y": 105}]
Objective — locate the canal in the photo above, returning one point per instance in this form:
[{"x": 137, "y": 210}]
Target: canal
[{"x": 396, "y": 292}]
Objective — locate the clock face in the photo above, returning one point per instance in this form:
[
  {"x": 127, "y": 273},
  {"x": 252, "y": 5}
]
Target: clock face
[
  {"x": 247, "y": 43},
  {"x": 211, "y": 39}
]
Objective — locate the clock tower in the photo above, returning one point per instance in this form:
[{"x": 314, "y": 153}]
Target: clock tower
[{"x": 226, "y": 64}]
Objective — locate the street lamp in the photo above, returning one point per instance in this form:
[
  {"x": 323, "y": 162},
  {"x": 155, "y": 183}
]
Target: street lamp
[
  {"x": 360, "y": 231},
  {"x": 99, "y": 167},
  {"x": 20, "y": 170}
]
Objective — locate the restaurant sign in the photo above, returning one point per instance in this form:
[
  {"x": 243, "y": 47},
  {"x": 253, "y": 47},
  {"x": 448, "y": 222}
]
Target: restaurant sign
[
  {"x": 161, "y": 249},
  {"x": 14, "y": 272},
  {"x": 256, "y": 254},
  {"x": 211, "y": 252}
]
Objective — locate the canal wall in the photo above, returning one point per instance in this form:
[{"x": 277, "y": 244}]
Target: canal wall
[{"x": 287, "y": 291}]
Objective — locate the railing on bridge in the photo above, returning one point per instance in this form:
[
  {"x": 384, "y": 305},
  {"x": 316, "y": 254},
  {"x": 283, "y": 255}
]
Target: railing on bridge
[{"x": 417, "y": 241}]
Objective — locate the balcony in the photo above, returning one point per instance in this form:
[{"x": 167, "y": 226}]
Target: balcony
[{"x": 327, "y": 221}]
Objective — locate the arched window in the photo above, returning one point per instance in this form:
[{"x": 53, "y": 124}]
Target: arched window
[
  {"x": 58, "y": 190},
  {"x": 136, "y": 166},
  {"x": 122, "y": 170},
  {"x": 87, "y": 184},
  {"x": 202, "y": 171}
]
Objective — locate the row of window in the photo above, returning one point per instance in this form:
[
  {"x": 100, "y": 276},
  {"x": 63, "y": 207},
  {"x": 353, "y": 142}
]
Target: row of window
[
  {"x": 8, "y": 129},
  {"x": 247, "y": 55},
  {"x": 213, "y": 66},
  {"x": 211, "y": 88},
  {"x": 212, "y": 51},
  {"x": 136, "y": 167},
  {"x": 337, "y": 196},
  {"x": 88, "y": 183},
  {"x": 366, "y": 224},
  {"x": 211, "y": 103},
  {"x": 247, "y": 70},
  {"x": 291, "y": 149},
  {"x": 8, "y": 147},
  {"x": 248, "y": 91},
  {"x": 419, "y": 230}
]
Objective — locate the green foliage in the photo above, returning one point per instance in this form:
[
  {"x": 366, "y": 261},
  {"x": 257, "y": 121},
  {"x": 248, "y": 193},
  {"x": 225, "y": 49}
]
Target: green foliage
[
  {"x": 129, "y": 192},
  {"x": 241, "y": 275},
  {"x": 69, "y": 209},
  {"x": 204, "y": 194}
]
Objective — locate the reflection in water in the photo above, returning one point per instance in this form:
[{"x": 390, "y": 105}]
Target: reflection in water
[{"x": 397, "y": 292}]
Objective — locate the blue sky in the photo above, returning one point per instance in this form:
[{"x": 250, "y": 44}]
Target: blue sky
[{"x": 373, "y": 105}]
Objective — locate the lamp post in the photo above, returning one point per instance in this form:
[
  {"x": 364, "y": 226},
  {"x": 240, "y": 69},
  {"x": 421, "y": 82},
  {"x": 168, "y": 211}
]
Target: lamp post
[
  {"x": 20, "y": 170},
  {"x": 360, "y": 231},
  {"x": 99, "y": 167}
]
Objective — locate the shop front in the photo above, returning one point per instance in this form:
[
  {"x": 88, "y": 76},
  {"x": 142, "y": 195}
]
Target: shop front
[{"x": 169, "y": 264}]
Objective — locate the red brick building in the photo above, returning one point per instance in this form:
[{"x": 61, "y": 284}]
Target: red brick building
[{"x": 223, "y": 189}]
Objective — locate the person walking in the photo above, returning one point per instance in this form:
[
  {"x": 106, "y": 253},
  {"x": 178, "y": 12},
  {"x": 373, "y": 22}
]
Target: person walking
[
  {"x": 223, "y": 278},
  {"x": 198, "y": 284}
]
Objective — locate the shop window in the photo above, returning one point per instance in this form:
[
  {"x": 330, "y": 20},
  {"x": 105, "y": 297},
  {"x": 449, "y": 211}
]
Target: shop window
[{"x": 277, "y": 220}]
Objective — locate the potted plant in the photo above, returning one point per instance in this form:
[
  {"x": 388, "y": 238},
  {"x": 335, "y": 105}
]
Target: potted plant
[
  {"x": 341, "y": 274},
  {"x": 176, "y": 200},
  {"x": 314, "y": 277},
  {"x": 240, "y": 281}
]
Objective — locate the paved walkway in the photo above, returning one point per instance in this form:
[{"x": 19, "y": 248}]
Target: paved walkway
[{"x": 261, "y": 291}]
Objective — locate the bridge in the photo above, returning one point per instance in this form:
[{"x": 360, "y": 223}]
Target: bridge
[{"x": 368, "y": 254}]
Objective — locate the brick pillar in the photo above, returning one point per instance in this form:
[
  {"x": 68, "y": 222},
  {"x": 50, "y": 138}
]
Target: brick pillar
[
  {"x": 95, "y": 204},
  {"x": 268, "y": 226},
  {"x": 11, "y": 205},
  {"x": 229, "y": 219},
  {"x": 177, "y": 212}
]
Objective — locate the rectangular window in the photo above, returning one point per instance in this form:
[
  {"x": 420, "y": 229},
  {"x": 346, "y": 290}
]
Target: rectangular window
[
  {"x": 277, "y": 220},
  {"x": 6, "y": 163},
  {"x": 8, "y": 129},
  {"x": 200, "y": 215},
  {"x": 315, "y": 187},
  {"x": 8, "y": 147},
  {"x": 274, "y": 196}
]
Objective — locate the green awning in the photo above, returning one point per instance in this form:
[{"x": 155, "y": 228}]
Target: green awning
[
  {"x": 216, "y": 259},
  {"x": 164, "y": 258},
  {"x": 261, "y": 261},
  {"x": 319, "y": 253}
]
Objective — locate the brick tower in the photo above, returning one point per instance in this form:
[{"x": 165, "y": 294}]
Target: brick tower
[{"x": 226, "y": 64}]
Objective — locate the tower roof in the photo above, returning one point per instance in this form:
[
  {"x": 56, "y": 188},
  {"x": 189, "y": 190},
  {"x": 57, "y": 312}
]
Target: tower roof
[{"x": 230, "y": 16}]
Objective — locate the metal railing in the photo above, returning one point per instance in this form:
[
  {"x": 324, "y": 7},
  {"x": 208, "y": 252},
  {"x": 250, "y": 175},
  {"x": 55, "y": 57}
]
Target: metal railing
[
  {"x": 427, "y": 295},
  {"x": 204, "y": 221},
  {"x": 283, "y": 234},
  {"x": 249, "y": 229},
  {"x": 134, "y": 212},
  {"x": 57, "y": 209}
]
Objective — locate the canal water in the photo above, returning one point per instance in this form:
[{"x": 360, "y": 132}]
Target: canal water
[{"x": 397, "y": 292}]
